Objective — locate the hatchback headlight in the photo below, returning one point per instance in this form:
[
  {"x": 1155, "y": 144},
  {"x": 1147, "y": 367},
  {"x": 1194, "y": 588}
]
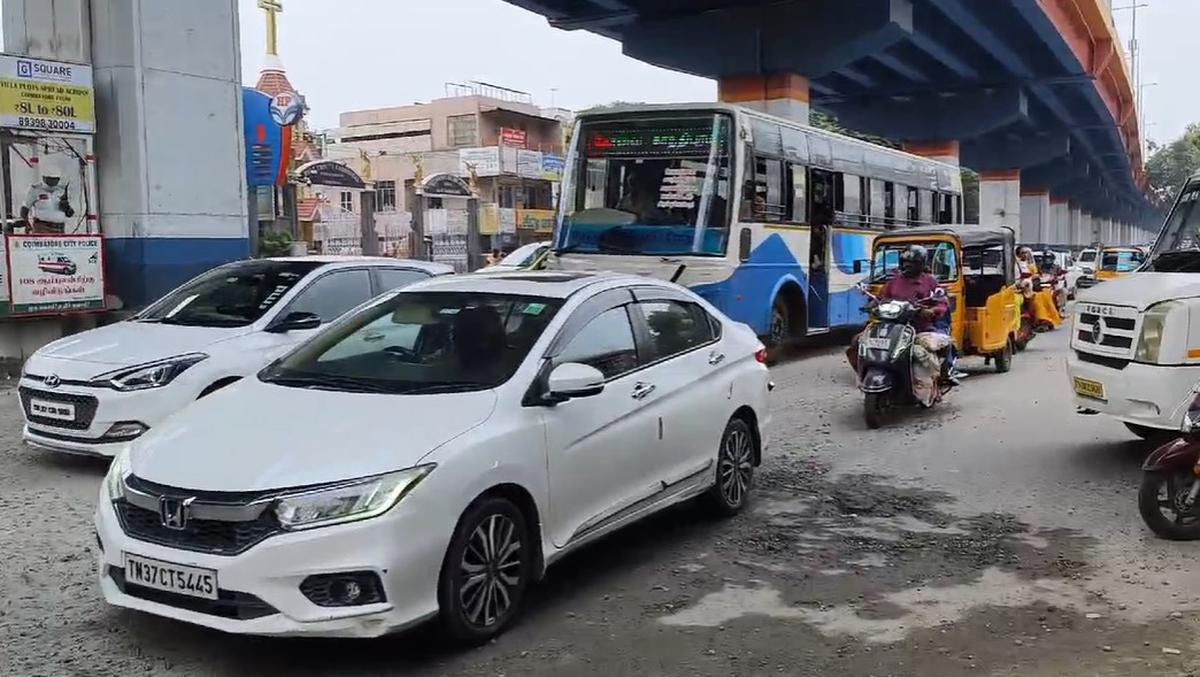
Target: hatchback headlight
[
  {"x": 151, "y": 375},
  {"x": 118, "y": 470},
  {"x": 1154, "y": 321},
  {"x": 347, "y": 502}
]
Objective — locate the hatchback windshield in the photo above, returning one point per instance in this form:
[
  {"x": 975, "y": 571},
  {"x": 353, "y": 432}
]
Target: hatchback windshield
[
  {"x": 421, "y": 343},
  {"x": 234, "y": 295}
]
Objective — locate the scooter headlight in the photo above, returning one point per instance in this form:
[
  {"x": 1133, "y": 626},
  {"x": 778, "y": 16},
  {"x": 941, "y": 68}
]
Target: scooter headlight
[{"x": 889, "y": 311}]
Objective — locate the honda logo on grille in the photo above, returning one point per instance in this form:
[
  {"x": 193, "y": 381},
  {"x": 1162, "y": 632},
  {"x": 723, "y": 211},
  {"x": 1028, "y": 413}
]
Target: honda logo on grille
[{"x": 174, "y": 511}]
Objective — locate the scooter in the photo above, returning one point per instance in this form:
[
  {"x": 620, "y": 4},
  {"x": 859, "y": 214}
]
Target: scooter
[
  {"x": 1169, "y": 498},
  {"x": 888, "y": 356}
]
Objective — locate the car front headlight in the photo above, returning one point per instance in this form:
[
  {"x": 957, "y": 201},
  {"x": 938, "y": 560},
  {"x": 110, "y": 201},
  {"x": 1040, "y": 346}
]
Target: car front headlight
[
  {"x": 118, "y": 470},
  {"x": 349, "y": 501},
  {"x": 1154, "y": 322},
  {"x": 152, "y": 375}
]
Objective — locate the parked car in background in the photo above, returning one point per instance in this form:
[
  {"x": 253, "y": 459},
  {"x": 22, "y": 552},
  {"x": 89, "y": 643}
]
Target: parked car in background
[
  {"x": 93, "y": 392},
  {"x": 455, "y": 439},
  {"x": 531, "y": 256}
]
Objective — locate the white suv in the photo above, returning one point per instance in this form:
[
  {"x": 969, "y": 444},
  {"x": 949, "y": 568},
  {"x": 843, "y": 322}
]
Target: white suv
[{"x": 94, "y": 392}]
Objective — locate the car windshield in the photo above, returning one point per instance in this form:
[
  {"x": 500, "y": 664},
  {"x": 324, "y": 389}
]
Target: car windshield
[
  {"x": 942, "y": 261},
  {"x": 233, "y": 295},
  {"x": 1123, "y": 261},
  {"x": 653, "y": 186},
  {"x": 421, "y": 343},
  {"x": 1087, "y": 256}
]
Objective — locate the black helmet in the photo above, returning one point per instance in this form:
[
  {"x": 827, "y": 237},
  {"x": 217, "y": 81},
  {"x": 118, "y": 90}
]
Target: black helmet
[{"x": 913, "y": 259}]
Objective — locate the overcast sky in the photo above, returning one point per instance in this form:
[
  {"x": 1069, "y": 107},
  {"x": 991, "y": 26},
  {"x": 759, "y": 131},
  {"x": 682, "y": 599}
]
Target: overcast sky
[{"x": 370, "y": 53}]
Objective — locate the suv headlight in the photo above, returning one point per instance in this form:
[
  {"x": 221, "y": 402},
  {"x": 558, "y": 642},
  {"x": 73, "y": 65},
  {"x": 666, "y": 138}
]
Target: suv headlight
[
  {"x": 349, "y": 501},
  {"x": 1154, "y": 321},
  {"x": 118, "y": 470},
  {"x": 151, "y": 375}
]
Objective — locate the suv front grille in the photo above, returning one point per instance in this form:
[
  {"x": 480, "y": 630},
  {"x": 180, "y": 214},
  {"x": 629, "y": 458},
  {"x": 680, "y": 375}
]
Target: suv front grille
[
  {"x": 85, "y": 408},
  {"x": 199, "y": 535}
]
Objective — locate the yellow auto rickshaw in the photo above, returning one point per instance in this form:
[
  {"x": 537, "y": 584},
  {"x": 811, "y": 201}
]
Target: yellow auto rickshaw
[
  {"x": 975, "y": 265},
  {"x": 1118, "y": 262}
]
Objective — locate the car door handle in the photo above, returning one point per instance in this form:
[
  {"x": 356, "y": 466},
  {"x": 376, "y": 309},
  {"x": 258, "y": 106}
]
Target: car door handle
[
  {"x": 715, "y": 358},
  {"x": 641, "y": 390}
]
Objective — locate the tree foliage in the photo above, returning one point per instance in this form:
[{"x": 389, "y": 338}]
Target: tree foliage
[
  {"x": 830, "y": 123},
  {"x": 1170, "y": 166}
]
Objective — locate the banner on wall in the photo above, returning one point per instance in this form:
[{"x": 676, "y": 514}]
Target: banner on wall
[
  {"x": 55, "y": 273},
  {"x": 47, "y": 96},
  {"x": 538, "y": 220}
]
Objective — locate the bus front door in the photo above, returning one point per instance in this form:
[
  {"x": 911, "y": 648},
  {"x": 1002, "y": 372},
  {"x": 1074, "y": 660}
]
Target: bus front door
[{"x": 821, "y": 217}]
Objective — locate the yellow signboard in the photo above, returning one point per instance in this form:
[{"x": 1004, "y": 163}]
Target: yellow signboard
[
  {"x": 539, "y": 220},
  {"x": 48, "y": 96}
]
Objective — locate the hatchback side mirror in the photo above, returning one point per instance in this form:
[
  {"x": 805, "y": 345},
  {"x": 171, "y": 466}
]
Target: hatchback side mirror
[
  {"x": 297, "y": 321},
  {"x": 573, "y": 379}
]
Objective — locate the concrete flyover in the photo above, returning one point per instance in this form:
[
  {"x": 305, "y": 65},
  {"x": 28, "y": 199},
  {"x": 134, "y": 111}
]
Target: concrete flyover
[{"x": 1035, "y": 95}]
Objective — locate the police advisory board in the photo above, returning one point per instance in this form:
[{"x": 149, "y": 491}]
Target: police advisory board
[
  {"x": 48, "y": 96},
  {"x": 55, "y": 273}
]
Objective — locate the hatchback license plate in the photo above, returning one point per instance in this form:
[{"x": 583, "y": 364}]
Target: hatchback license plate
[
  {"x": 185, "y": 580},
  {"x": 59, "y": 411},
  {"x": 1089, "y": 388},
  {"x": 873, "y": 343}
]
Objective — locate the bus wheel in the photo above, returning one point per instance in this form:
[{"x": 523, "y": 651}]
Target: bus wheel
[{"x": 779, "y": 332}]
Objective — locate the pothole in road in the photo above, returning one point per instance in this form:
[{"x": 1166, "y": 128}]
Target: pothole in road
[{"x": 851, "y": 555}]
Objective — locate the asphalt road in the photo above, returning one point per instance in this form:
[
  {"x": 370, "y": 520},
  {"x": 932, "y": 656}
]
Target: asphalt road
[{"x": 997, "y": 534}]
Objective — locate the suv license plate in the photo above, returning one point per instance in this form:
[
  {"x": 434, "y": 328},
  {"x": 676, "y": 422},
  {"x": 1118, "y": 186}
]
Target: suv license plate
[
  {"x": 1089, "y": 388},
  {"x": 185, "y": 580}
]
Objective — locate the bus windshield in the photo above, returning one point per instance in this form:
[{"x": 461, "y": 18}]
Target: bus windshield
[
  {"x": 1178, "y": 247},
  {"x": 653, "y": 186}
]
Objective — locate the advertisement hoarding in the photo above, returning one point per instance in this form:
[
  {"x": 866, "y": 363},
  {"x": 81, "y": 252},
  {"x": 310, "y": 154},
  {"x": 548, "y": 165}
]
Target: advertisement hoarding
[{"x": 48, "y": 96}]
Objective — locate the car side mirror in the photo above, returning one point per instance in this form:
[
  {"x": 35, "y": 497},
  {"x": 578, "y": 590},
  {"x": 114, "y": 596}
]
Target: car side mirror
[
  {"x": 297, "y": 321},
  {"x": 573, "y": 379}
]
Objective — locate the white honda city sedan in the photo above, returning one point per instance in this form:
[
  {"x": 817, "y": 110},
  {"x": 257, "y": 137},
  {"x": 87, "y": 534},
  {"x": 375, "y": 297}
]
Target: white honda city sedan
[
  {"x": 431, "y": 453},
  {"x": 94, "y": 392}
]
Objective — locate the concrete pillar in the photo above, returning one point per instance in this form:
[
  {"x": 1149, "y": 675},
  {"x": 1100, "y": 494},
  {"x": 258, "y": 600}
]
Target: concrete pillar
[
  {"x": 1074, "y": 225},
  {"x": 942, "y": 151},
  {"x": 1035, "y": 216},
  {"x": 1000, "y": 199},
  {"x": 169, "y": 101},
  {"x": 782, "y": 94},
  {"x": 1087, "y": 225},
  {"x": 1060, "y": 221}
]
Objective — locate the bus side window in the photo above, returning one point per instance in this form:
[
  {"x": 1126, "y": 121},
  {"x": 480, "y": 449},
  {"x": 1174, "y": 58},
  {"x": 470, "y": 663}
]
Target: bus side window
[
  {"x": 914, "y": 207},
  {"x": 878, "y": 203},
  {"x": 766, "y": 191},
  {"x": 900, "y": 205},
  {"x": 958, "y": 209},
  {"x": 851, "y": 203},
  {"x": 889, "y": 204},
  {"x": 799, "y": 187},
  {"x": 925, "y": 206}
]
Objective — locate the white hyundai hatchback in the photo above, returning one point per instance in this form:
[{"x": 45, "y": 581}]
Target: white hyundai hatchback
[
  {"x": 93, "y": 392},
  {"x": 431, "y": 453}
]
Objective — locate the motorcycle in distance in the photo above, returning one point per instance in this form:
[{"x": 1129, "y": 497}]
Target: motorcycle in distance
[
  {"x": 1170, "y": 487},
  {"x": 893, "y": 369}
]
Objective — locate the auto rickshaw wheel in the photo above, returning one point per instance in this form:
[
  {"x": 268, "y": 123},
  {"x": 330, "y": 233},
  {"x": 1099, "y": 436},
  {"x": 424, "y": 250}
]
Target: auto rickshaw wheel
[{"x": 1004, "y": 359}]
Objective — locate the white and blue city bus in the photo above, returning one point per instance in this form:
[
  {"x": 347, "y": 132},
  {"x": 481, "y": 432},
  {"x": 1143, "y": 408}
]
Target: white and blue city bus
[{"x": 769, "y": 220}]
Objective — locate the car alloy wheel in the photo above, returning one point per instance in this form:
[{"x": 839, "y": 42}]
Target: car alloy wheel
[
  {"x": 487, "y": 568},
  {"x": 490, "y": 571},
  {"x": 735, "y": 469}
]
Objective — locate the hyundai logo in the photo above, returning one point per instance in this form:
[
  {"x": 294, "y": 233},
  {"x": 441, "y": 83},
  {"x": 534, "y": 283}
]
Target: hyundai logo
[
  {"x": 174, "y": 511},
  {"x": 1098, "y": 330},
  {"x": 52, "y": 381}
]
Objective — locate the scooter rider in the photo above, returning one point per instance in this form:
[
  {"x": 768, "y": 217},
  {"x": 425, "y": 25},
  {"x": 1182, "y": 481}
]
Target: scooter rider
[{"x": 914, "y": 284}]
